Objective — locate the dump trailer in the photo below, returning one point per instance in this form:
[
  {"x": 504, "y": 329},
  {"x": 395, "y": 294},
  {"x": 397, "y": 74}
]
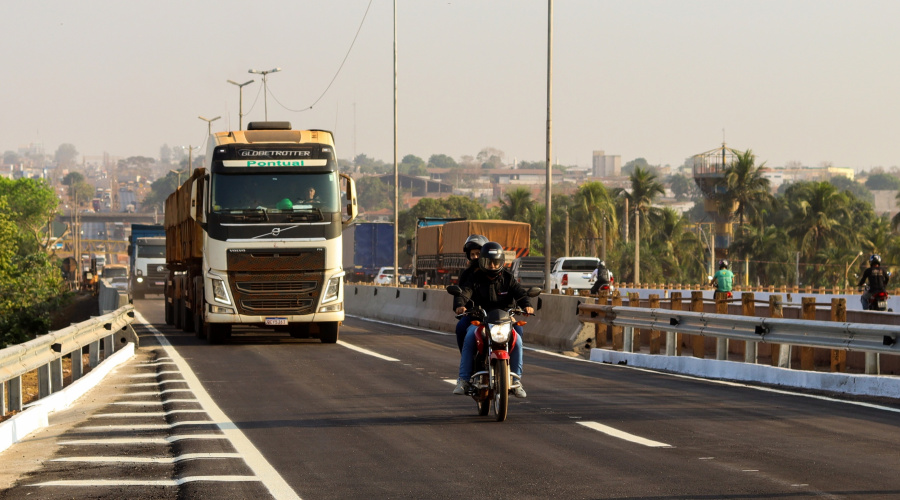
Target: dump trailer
[
  {"x": 247, "y": 243},
  {"x": 439, "y": 249},
  {"x": 146, "y": 260},
  {"x": 368, "y": 246}
]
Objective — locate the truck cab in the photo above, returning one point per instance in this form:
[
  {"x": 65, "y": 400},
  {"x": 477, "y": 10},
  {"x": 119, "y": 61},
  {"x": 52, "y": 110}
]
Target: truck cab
[{"x": 148, "y": 266}]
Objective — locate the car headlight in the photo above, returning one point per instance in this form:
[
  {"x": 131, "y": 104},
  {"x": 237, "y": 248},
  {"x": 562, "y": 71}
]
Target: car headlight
[
  {"x": 500, "y": 333},
  {"x": 220, "y": 291}
]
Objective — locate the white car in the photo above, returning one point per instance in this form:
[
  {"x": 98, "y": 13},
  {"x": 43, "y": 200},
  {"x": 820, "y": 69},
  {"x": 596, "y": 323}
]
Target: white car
[
  {"x": 385, "y": 276},
  {"x": 573, "y": 272}
]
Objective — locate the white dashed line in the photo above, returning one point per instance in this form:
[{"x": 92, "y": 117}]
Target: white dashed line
[
  {"x": 366, "y": 351},
  {"x": 624, "y": 435}
]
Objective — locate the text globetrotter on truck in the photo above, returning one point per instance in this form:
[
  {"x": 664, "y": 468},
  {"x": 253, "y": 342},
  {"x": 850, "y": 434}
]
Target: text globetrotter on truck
[{"x": 245, "y": 244}]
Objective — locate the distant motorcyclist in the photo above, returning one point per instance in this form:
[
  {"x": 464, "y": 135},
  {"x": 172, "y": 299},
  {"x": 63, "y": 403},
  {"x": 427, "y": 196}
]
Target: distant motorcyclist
[
  {"x": 877, "y": 278},
  {"x": 472, "y": 249},
  {"x": 600, "y": 277},
  {"x": 723, "y": 279},
  {"x": 492, "y": 286}
]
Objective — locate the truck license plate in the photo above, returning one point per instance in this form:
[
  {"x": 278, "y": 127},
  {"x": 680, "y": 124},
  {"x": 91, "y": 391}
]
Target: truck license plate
[{"x": 276, "y": 321}]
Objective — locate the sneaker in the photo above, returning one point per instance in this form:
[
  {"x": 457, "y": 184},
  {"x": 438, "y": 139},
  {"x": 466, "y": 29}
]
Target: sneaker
[
  {"x": 519, "y": 392},
  {"x": 462, "y": 387}
]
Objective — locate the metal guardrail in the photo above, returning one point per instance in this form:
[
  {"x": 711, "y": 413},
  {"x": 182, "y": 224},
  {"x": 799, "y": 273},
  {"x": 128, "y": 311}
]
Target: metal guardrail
[
  {"x": 45, "y": 353},
  {"x": 868, "y": 338}
]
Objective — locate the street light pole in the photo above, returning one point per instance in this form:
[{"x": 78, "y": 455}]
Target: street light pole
[
  {"x": 240, "y": 101},
  {"x": 847, "y": 269},
  {"x": 265, "y": 86},
  {"x": 209, "y": 123}
]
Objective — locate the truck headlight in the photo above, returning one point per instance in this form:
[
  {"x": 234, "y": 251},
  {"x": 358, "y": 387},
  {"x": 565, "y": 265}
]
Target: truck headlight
[
  {"x": 220, "y": 292},
  {"x": 332, "y": 289},
  {"x": 139, "y": 279}
]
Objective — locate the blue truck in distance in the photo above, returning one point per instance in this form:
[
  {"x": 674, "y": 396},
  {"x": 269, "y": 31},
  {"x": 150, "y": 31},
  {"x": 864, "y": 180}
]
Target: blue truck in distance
[
  {"x": 371, "y": 246},
  {"x": 146, "y": 260}
]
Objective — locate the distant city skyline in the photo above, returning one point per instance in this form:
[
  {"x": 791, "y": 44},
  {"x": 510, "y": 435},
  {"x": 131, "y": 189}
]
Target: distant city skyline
[{"x": 801, "y": 81}]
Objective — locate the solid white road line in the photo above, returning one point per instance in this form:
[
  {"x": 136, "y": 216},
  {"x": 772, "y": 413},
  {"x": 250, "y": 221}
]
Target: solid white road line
[
  {"x": 150, "y": 403},
  {"x": 270, "y": 477},
  {"x": 624, "y": 435},
  {"x": 155, "y": 393},
  {"x": 153, "y": 375},
  {"x": 161, "y": 482},
  {"x": 145, "y": 427},
  {"x": 147, "y": 414},
  {"x": 155, "y": 440},
  {"x": 149, "y": 460}
]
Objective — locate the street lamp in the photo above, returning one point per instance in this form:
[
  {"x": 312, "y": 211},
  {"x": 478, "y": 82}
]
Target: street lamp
[
  {"x": 209, "y": 123},
  {"x": 847, "y": 269},
  {"x": 265, "y": 87},
  {"x": 190, "y": 165},
  {"x": 178, "y": 176},
  {"x": 240, "y": 101}
]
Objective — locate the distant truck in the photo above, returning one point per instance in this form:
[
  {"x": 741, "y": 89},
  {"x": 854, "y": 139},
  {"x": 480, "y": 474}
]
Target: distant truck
[
  {"x": 146, "y": 260},
  {"x": 249, "y": 243},
  {"x": 368, "y": 246},
  {"x": 439, "y": 258},
  {"x": 529, "y": 271}
]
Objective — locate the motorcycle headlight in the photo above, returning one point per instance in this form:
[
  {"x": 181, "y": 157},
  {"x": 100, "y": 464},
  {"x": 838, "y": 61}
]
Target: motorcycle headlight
[{"x": 500, "y": 333}]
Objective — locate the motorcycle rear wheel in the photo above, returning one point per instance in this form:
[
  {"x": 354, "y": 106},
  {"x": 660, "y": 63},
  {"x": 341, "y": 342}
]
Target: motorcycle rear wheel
[{"x": 500, "y": 402}]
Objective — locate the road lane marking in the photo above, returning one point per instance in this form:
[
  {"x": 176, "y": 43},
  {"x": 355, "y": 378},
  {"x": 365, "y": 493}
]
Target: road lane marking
[
  {"x": 147, "y": 414},
  {"x": 150, "y": 403},
  {"x": 264, "y": 471},
  {"x": 155, "y": 393},
  {"x": 145, "y": 427},
  {"x": 153, "y": 375},
  {"x": 366, "y": 351},
  {"x": 616, "y": 433},
  {"x": 149, "y": 460},
  {"x": 165, "y": 440},
  {"x": 158, "y": 482}
]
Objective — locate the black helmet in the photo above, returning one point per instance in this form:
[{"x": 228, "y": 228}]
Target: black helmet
[
  {"x": 472, "y": 242},
  {"x": 875, "y": 260},
  {"x": 723, "y": 264},
  {"x": 492, "y": 252}
]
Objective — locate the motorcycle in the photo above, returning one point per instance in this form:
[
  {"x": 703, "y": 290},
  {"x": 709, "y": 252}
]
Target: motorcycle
[
  {"x": 493, "y": 381},
  {"x": 728, "y": 295},
  {"x": 878, "y": 300}
]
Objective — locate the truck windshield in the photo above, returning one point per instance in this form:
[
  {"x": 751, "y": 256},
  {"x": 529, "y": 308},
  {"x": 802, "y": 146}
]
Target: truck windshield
[
  {"x": 287, "y": 192},
  {"x": 151, "y": 251}
]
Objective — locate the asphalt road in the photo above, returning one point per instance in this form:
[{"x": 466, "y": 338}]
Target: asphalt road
[{"x": 374, "y": 417}]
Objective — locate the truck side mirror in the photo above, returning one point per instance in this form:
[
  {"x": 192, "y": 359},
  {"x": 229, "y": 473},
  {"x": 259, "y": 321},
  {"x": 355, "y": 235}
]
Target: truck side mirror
[{"x": 351, "y": 207}]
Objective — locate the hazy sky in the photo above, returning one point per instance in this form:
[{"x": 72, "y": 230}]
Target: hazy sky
[{"x": 809, "y": 81}]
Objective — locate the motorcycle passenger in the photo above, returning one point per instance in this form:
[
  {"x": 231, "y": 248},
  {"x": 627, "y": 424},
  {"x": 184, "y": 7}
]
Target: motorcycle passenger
[
  {"x": 723, "y": 279},
  {"x": 492, "y": 286},
  {"x": 876, "y": 277},
  {"x": 472, "y": 249},
  {"x": 600, "y": 277}
]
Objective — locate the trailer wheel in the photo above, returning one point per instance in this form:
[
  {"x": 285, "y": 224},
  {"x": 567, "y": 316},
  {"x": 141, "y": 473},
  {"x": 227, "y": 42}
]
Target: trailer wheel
[
  {"x": 328, "y": 332},
  {"x": 188, "y": 316},
  {"x": 170, "y": 315},
  {"x": 178, "y": 313}
]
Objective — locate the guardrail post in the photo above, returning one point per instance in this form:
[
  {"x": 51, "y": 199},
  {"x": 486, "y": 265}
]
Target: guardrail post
[
  {"x": 698, "y": 341},
  {"x": 77, "y": 364},
  {"x": 600, "y": 330},
  {"x": 634, "y": 300},
  {"x": 43, "y": 372},
  {"x": 653, "y": 302},
  {"x": 807, "y": 354},
  {"x": 56, "y": 375},
  {"x": 721, "y": 343},
  {"x": 2, "y": 399},
  {"x": 109, "y": 345},
  {"x": 15, "y": 393},
  {"x": 781, "y": 353},
  {"x": 839, "y": 356},
  {"x": 872, "y": 364},
  {"x": 673, "y": 340},
  {"x": 94, "y": 353},
  {"x": 629, "y": 339},
  {"x": 617, "y": 331},
  {"x": 748, "y": 305}
]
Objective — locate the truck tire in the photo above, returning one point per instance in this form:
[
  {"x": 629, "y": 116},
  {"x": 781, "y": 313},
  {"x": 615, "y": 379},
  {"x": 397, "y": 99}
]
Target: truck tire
[
  {"x": 216, "y": 333},
  {"x": 170, "y": 316},
  {"x": 178, "y": 312},
  {"x": 328, "y": 332},
  {"x": 188, "y": 315}
]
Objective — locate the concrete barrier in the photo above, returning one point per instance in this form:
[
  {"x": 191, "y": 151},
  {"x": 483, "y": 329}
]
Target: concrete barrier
[{"x": 555, "y": 326}]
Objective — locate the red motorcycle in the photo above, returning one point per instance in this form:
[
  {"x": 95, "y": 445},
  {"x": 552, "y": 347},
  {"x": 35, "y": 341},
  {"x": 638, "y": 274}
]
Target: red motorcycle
[{"x": 878, "y": 301}]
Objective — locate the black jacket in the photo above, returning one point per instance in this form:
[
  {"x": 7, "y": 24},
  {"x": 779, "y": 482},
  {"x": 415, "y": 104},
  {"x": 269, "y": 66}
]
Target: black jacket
[
  {"x": 877, "y": 279},
  {"x": 499, "y": 293}
]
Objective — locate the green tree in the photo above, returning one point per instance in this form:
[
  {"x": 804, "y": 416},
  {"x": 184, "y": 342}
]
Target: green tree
[
  {"x": 80, "y": 191},
  {"x": 65, "y": 155},
  {"x": 882, "y": 182},
  {"x": 644, "y": 189},
  {"x": 442, "y": 161},
  {"x": 591, "y": 205},
  {"x": 515, "y": 204},
  {"x": 411, "y": 165},
  {"x": 32, "y": 207},
  {"x": 374, "y": 194},
  {"x": 682, "y": 187}
]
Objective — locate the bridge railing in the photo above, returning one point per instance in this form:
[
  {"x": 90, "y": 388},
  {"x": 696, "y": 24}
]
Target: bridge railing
[{"x": 106, "y": 333}]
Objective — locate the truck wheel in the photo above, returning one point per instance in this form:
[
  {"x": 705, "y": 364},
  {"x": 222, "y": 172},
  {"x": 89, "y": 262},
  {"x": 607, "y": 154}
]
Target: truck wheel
[
  {"x": 188, "y": 315},
  {"x": 328, "y": 332},
  {"x": 216, "y": 333},
  {"x": 178, "y": 312},
  {"x": 170, "y": 316}
]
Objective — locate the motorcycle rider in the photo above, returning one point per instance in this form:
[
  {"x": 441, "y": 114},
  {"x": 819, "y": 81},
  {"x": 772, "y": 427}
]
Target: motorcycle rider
[
  {"x": 600, "y": 277},
  {"x": 492, "y": 286},
  {"x": 472, "y": 249},
  {"x": 877, "y": 279},
  {"x": 723, "y": 279}
]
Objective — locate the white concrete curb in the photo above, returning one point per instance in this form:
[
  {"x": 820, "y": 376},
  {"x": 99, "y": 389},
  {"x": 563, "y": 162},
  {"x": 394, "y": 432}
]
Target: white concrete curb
[
  {"x": 844, "y": 383},
  {"x": 37, "y": 415}
]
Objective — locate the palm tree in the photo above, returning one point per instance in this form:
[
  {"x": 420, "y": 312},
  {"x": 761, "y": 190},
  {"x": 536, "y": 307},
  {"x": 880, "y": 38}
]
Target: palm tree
[
  {"x": 515, "y": 205},
  {"x": 746, "y": 190},
  {"x": 644, "y": 189},
  {"x": 592, "y": 206}
]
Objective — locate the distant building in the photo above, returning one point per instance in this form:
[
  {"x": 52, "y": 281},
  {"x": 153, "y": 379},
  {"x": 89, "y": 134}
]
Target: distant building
[{"x": 605, "y": 165}]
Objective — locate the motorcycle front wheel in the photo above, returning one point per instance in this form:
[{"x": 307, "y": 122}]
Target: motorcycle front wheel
[{"x": 501, "y": 389}]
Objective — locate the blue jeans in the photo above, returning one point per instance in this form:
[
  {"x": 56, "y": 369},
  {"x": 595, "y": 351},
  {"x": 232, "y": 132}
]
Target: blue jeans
[
  {"x": 461, "y": 327},
  {"x": 470, "y": 348}
]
